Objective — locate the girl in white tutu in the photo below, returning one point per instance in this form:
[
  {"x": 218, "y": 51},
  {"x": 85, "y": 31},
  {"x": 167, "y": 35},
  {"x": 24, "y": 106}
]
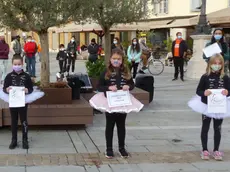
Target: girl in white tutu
[
  {"x": 213, "y": 79},
  {"x": 18, "y": 78},
  {"x": 116, "y": 77}
]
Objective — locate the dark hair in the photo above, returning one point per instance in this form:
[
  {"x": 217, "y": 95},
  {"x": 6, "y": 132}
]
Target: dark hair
[
  {"x": 178, "y": 33},
  {"x": 137, "y": 46},
  {"x": 93, "y": 40},
  {"x": 61, "y": 45},
  {"x": 123, "y": 68},
  {"x": 29, "y": 37},
  {"x": 222, "y": 42},
  {"x": 73, "y": 37},
  {"x": 17, "y": 57}
]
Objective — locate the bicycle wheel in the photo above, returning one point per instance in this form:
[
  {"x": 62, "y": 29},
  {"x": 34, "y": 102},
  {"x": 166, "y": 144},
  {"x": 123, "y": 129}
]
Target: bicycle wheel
[{"x": 155, "y": 67}]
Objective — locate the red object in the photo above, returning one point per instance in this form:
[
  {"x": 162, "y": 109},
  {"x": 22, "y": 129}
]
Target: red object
[
  {"x": 30, "y": 49},
  {"x": 4, "y": 50},
  {"x": 100, "y": 50}
]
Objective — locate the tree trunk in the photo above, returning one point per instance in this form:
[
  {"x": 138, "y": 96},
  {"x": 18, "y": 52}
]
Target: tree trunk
[
  {"x": 45, "y": 63},
  {"x": 107, "y": 45}
]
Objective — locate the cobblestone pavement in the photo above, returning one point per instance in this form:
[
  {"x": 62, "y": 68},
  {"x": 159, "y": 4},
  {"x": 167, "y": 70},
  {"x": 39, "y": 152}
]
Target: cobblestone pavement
[{"x": 163, "y": 137}]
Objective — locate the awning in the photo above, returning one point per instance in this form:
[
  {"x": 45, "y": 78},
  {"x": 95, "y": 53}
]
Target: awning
[
  {"x": 88, "y": 27},
  {"x": 158, "y": 24}
]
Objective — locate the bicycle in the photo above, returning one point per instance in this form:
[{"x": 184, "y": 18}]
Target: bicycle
[{"x": 154, "y": 65}]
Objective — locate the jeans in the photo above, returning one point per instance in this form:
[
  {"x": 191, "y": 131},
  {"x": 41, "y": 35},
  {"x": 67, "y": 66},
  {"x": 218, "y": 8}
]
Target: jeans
[
  {"x": 93, "y": 58},
  {"x": 31, "y": 62},
  {"x": 3, "y": 68}
]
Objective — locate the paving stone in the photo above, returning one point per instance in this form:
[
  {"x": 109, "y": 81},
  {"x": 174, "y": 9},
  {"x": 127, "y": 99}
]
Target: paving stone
[
  {"x": 91, "y": 169},
  {"x": 125, "y": 168},
  {"x": 12, "y": 169},
  {"x": 105, "y": 168},
  {"x": 56, "y": 169}
]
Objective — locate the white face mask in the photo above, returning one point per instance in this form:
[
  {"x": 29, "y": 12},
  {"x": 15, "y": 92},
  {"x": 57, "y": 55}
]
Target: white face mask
[
  {"x": 62, "y": 49},
  {"x": 72, "y": 40},
  {"x": 115, "y": 42}
]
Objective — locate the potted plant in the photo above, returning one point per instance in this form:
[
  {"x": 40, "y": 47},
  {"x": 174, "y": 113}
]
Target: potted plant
[
  {"x": 55, "y": 93},
  {"x": 94, "y": 71}
]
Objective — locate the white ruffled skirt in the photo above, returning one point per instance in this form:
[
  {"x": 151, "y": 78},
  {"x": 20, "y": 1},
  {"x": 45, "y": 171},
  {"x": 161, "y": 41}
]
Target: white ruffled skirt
[
  {"x": 99, "y": 102},
  {"x": 35, "y": 95},
  {"x": 198, "y": 106}
]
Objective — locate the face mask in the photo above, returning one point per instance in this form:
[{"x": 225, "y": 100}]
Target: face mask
[
  {"x": 17, "y": 68},
  {"x": 116, "y": 63},
  {"x": 62, "y": 49},
  {"x": 134, "y": 43},
  {"x": 179, "y": 37},
  {"x": 32, "y": 41},
  {"x": 217, "y": 37},
  {"x": 215, "y": 67},
  {"x": 29, "y": 40},
  {"x": 72, "y": 40},
  {"x": 115, "y": 42}
]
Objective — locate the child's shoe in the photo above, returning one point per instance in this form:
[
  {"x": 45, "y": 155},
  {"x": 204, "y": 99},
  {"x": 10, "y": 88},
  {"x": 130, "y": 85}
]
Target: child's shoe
[
  {"x": 13, "y": 144},
  {"x": 217, "y": 155},
  {"x": 123, "y": 153},
  {"x": 25, "y": 144},
  {"x": 109, "y": 154},
  {"x": 205, "y": 155}
]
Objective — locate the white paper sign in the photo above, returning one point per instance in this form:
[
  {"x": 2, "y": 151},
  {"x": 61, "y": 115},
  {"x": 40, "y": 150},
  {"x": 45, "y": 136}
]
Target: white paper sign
[
  {"x": 118, "y": 98},
  {"x": 210, "y": 50},
  {"x": 17, "y": 97},
  {"x": 217, "y": 102}
]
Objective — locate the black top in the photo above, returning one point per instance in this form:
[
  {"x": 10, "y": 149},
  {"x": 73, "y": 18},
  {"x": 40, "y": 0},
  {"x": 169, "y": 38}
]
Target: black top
[
  {"x": 72, "y": 48},
  {"x": 212, "y": 81},
  {"x": 93, "y": 49},
  {"x": 182, "y": 48},
  {"x": 62, "y": 55},
  {"x": 22, "y": 79},
  {"x": 115, "y": 79}
]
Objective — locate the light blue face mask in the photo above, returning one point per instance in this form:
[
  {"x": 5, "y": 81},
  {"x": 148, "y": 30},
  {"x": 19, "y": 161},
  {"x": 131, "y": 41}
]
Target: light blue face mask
[
  {"x": 179, "y": 37},
  {"x": 216, "y": 67},
  {"x": 217, "y": 37}
]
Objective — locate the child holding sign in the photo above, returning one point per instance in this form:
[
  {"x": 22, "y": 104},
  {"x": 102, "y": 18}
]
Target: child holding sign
[
  {"x": 116, "y": 77},
  {"x": 213, "y": 79},
  {"x": 18, "y": 78}
]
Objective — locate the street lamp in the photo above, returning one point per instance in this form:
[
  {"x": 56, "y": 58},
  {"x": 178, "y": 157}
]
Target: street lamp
[{"x": 203, "y": 27}]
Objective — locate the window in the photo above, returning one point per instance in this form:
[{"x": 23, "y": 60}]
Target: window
[
  {"x": 155, "y": 8},
  {"x": 164, "y": 6},
  {"x": 195, "y": 5}
]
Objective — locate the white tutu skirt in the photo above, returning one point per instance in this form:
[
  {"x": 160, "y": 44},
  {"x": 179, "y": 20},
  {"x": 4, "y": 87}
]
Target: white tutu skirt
[
  {"x": 99, "y": 102},
  {"x": 198, "y": 106},
  {"x": 36, "y": 94}
]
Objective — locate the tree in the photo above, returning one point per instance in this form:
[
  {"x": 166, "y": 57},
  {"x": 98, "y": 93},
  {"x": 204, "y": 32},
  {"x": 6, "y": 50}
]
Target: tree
[
  {"x": 108, "y": 13},
  {"x": 38, "y": 16}
]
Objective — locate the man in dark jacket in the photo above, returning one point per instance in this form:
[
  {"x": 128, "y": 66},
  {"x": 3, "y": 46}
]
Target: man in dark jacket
[
  {"x": 4, "y": 55},
  {"x": 179, "y": 49},
  {"x": 93, "y": 50},
  {"x": 72, "y": 51},
  {"x": 17, "y": 45}
]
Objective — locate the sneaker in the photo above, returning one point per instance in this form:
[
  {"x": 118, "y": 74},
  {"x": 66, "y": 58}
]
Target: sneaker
[
  {"x": 217, "y": 155},
  {"x": 13, "y": 144},
  {"x": 182, "y": 79},
  {"x": 144, "y": 68},
  {"x": 174, "y": 79},
  {"x": 109, "y": 154},
  {"x": 205, "y": 155},
  {"x": 25, "y": 144},
  {"x": 123, "y": 153}
]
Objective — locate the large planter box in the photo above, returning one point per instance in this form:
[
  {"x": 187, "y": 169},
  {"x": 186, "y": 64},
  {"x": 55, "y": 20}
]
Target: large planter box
[{"x": 56, "y": 96}]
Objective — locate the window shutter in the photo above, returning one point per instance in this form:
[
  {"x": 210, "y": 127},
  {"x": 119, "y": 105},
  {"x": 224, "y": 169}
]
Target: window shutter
[
  {"x": 195, "y": 4},
  {"x": 166, "y": 6}
]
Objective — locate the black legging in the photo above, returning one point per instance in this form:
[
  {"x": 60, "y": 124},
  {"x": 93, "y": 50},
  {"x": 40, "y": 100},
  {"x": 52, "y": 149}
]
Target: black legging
[
  {"x": 135, "y": 67},
  {"x": 217, "y": 132},
  {"x": 22, "y": 111},
  {"x": 62, "y": 66},
  {"x": 71, "y": 61},
  {"x": 111, "y": 120}
]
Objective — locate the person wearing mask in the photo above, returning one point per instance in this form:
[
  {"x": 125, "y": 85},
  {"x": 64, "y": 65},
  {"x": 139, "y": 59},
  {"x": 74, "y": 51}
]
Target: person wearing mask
[
  {"x": 62, "y": 57},
  {"x": 179, "y": 49},
  {"x": 93, "y": 50},
  {"x": 16, "y": 45},
  {"x": 116, "y": 44},
  {"x": 218, "y": 37},
  {"x": 134, "y": 56},
  {"x": 30, "y": 49},
  {"x": 145, "y": 53},
  {"x": 4, "y": 56},
  {"x": 72, "y": 51}
]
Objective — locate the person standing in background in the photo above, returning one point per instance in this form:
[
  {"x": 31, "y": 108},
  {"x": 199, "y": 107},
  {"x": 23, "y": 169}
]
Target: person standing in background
[
  {"x": 116, "y": 44},
  {"x": 145, "y": 53},
  {"x": 16, "y": 45},
  {"x": 4, "y": 56},
  {"x": 93, "y": 50},
  {"x": 72, "y": 50},
  {"x": 179, "y": 49}
]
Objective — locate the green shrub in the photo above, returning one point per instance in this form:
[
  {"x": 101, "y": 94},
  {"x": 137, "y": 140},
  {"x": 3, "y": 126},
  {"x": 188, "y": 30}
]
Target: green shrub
[{"x": 94, "y": 70}]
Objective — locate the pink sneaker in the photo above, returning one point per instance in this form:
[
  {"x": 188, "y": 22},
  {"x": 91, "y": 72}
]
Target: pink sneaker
[
  {"x": 205, "y": 155},
  {"x": 217, "y": 155}
]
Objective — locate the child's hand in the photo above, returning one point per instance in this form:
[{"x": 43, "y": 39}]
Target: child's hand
[
  {"x": 225, "y": 92},
  {"x": 26, "y": 90},
  {"x": 207, "y": 93},
  {"x": 113, "y": 88},
  {"x": 8, "y": 89},
  {"x": 125, "y": 88}
]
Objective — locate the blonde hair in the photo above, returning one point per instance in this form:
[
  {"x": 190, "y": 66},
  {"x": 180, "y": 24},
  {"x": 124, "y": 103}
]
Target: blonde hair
[{"x": 212, "y": 61}]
